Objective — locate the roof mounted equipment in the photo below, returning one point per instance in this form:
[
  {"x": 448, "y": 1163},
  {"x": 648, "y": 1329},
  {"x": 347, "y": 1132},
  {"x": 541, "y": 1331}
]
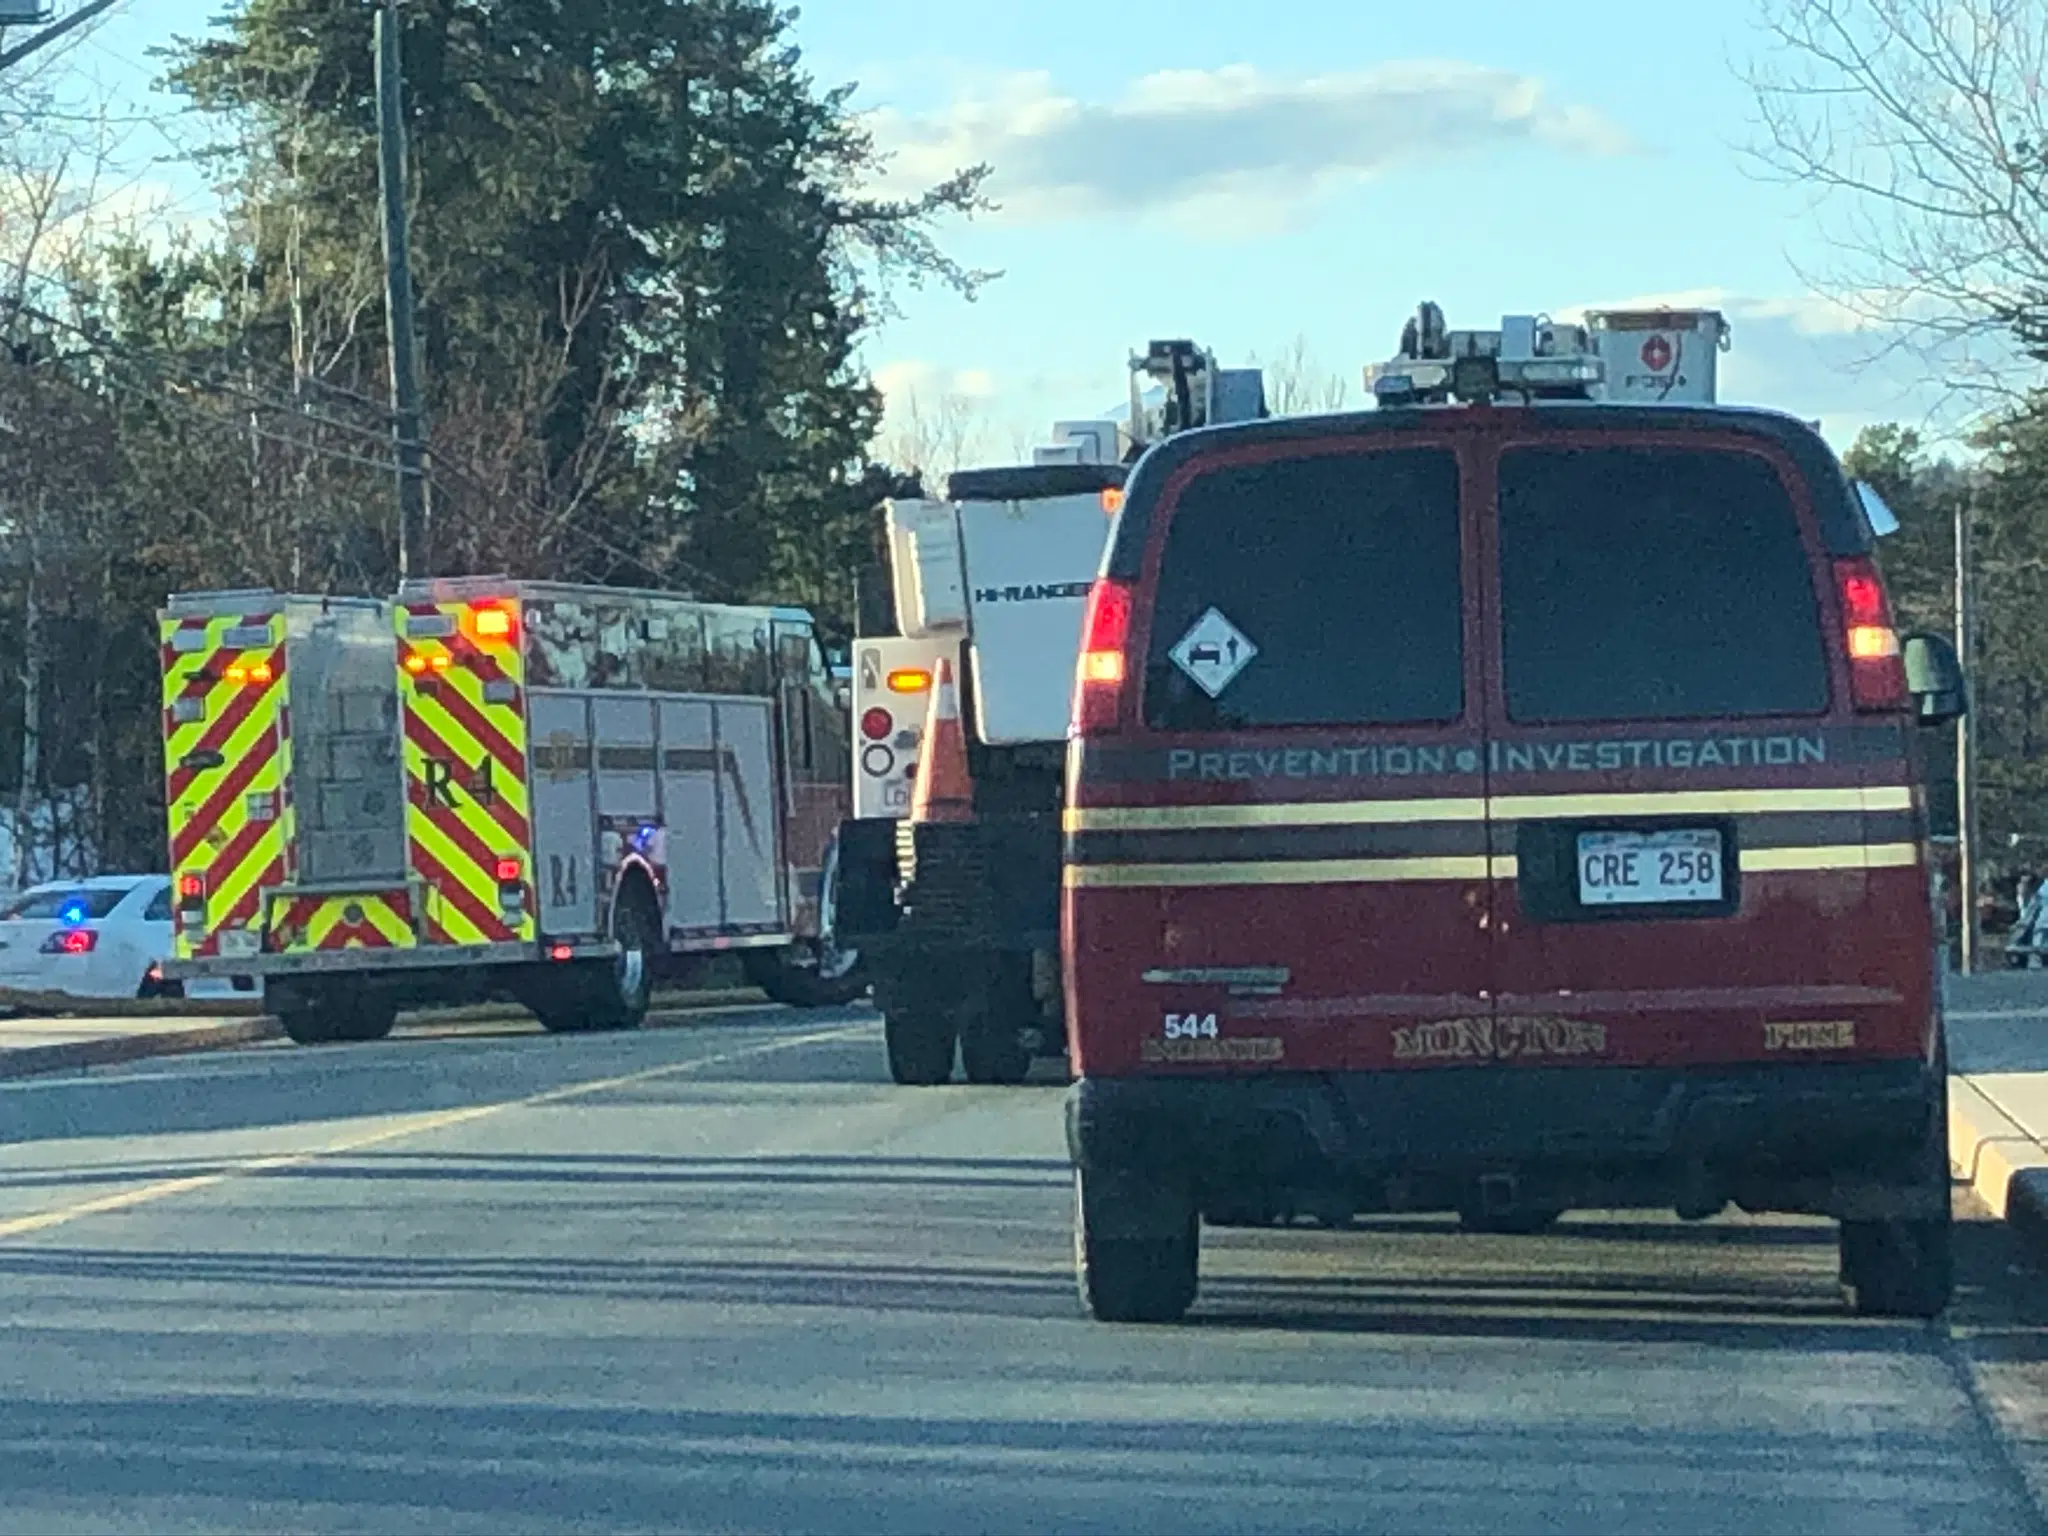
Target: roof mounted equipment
[{"x": 1530, "y": 356}]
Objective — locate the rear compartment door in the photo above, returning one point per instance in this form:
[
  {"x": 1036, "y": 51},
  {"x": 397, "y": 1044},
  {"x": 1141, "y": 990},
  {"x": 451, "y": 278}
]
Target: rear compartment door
[
  {"x": 1698, "y": 833},
  {"x": 1029, "y": 568},
  {"x": 462, "y": 703},
  {"x": 1288, "y": 865},
  {"x": 227, "y": 771}
]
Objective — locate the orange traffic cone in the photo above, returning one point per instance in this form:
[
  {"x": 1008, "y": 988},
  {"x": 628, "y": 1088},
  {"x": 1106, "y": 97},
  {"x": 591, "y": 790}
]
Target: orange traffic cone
[{"x": 944, "y": 788}]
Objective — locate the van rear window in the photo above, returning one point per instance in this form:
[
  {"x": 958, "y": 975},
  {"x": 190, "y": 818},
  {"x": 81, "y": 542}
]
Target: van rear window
[
  {"x": 1654, "y": 584},
  {"x": 1341, "y": 570}
]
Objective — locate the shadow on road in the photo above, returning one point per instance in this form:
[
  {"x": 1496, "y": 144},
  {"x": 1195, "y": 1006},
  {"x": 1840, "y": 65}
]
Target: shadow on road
[
  {"x": 287, "y": 1085},
  {"x": 1422, "y": 1281},
  {"x": 424, "y": 1462}
]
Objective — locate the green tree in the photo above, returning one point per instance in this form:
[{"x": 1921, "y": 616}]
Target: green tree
[{"x": 644, "y": 264}]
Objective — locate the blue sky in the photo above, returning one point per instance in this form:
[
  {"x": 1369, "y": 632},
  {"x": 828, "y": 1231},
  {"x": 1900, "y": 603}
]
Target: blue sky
[{"x": 1246, "y": 175}]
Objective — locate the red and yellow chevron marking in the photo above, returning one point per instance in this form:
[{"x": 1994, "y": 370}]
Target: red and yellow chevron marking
[
  {"x": 227, "y": 768},
  {"x": 368, "y": 920},
  {"x": 462, "y": 687}
]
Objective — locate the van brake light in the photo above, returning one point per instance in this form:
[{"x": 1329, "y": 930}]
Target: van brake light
[
  {"x": 1099, "y": 679},
  {"x": 1877, "y": 668}
]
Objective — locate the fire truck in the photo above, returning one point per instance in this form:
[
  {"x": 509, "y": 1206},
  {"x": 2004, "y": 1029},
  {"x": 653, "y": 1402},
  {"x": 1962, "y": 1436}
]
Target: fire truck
[
  {"x": 954, "y": 907},
  {"x": 495, "y": 788}
]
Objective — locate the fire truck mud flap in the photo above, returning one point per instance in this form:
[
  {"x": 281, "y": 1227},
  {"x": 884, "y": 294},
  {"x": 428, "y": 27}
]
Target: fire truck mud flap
[{"x": 1841, "y": 1141}]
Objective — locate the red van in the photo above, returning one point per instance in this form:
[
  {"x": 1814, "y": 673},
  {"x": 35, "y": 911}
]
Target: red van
[{"x": 1501, "y": 809}]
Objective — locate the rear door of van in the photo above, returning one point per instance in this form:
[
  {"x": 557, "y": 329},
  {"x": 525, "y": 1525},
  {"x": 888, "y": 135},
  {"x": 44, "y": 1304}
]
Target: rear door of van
[
  {"x": 1277, "y": 855},
  {"x": 1709, "y": 853}
]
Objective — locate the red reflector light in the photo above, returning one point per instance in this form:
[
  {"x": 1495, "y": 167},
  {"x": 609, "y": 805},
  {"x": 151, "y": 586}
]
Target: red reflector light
[
  {"x": 493, "y": 624},
  {"x": 1099, "y": 679},
  {"x": 1862, "y": 596},
  {"x": 1877, "y": 667},
  {"x": 508, "y": 871},
  {"x": 876, "y": 724},
  {"x": 561, "y": 952}
]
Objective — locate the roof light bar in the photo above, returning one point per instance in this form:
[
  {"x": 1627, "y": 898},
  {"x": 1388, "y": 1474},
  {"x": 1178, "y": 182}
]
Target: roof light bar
[{"x": 1530, "y": 356}]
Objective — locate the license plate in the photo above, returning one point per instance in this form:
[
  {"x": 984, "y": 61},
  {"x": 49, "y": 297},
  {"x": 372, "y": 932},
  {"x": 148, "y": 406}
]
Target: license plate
[{"x": 1630, "y": 868}]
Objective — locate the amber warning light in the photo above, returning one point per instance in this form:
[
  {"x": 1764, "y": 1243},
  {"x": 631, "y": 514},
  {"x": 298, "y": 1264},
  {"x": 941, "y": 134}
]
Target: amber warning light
[
  {"x": 493, "y": 624},
  {"x": 910, "y": 680}
]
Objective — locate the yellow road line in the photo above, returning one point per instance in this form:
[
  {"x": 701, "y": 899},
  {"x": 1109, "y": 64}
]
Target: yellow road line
[{"x": 414, "y": 1125}]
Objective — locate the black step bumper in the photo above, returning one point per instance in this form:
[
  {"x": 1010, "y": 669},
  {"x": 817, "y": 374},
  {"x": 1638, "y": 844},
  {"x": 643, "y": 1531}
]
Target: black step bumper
[{"x": 1837, "y": 1140}]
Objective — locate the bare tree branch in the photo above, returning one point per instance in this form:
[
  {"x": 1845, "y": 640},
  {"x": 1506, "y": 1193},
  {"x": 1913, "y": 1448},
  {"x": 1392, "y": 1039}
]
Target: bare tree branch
[
  {"x": 1918, "y": 129},
  {"x": 1298, "y": 385},
  {"x": 932, "y": 439}
]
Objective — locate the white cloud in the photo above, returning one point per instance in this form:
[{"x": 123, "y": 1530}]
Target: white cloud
[
  {"x": 914, "y": 378},
  {"x": 1190, "y": 136}
]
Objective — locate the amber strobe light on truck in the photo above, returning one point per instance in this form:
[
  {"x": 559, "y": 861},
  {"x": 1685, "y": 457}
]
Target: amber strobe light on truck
[
  {"x": 1877, "y": 668},
  {"x": 1099, "y": 677}
]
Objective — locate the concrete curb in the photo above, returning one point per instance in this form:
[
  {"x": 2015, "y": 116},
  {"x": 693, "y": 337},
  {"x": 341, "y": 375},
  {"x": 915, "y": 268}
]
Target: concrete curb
[
  {"x": 2003, "y": 1165},
  {"x": 35, "y": 1060}
]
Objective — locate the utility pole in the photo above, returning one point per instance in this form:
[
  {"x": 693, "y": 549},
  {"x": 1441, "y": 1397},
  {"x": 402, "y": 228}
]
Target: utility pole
[
  {"x": 407, "y": 421},
  {"x": 1966, "y": 736}
]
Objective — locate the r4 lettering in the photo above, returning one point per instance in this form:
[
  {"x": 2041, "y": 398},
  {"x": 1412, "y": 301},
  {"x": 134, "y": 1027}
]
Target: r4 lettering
[{"x": 1191, "y": 1026}]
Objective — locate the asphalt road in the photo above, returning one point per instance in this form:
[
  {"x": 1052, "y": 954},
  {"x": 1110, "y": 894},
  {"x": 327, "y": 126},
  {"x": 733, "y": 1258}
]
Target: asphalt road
[{"x": 724, "y": 1277}]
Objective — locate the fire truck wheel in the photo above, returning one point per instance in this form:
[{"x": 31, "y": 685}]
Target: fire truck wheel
[
  {"x": 609, "y": 994},
  {"x": 812, "y": 973},
  {"x": 809, "y": 974},
  {"x": 333, "y": 1020},
  {"x": 1529, "y": 1221}
]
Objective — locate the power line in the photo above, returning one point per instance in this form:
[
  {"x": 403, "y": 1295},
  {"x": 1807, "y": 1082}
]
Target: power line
[
  {"x": 9, "y": 57},
  {"x": 104, "y": 348}
]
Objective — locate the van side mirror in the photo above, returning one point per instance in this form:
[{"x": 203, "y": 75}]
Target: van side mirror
[
  {"x": 1934, "y": 677},
  {"x": 1883, "y": 521}
]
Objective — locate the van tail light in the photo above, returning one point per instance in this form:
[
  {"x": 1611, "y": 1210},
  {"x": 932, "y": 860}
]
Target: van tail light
[
  {"x": 1101, "y": 674},
  {"x": 1877, "y": 666}
]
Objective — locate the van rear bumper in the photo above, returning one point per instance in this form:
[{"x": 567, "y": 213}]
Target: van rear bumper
[{"x": 1848, "y": 1140}]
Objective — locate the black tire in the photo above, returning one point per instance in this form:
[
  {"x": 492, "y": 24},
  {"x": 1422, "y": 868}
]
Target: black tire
[
  {"x": 993, "y": 1052},
  {"x": 920, "y": 1045},
  {"x": 994, "y": 1047},
  {"x": 1528, "y": 1222},
  {"x": 812, "y": 973},
  {"x": 1899, "y": 1268},
  {"x": 809, "y": 974},
  {"x": 592, "y": 996},
  {"x": 1134, "y": 1280},
  {"x": 337, "y": 1021}
]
